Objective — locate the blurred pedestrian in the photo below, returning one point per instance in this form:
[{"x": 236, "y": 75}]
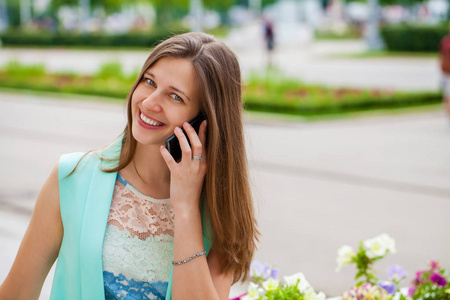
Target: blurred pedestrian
[
  {"x": 132, "y": 221},
  {"x": 269, "y": 37},
  {"x": 444, "y": 57}
]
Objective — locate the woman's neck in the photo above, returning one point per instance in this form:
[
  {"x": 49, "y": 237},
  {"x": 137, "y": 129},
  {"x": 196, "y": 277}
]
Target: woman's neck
[{"x": 148, "y": 172}]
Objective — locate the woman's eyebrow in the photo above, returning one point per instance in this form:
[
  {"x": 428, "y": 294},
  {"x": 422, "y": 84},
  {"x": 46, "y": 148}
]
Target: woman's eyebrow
[
  {"x": 180, "y": 91},
  {"x": 172, "y": 87}
]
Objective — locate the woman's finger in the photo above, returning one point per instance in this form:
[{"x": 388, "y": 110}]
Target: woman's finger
[
  {"x": 186, "y": 153},
  {"x": 168, "y": 158},
  {"x": 202, "y": 136},
  {"x": 196, "y": 144}
]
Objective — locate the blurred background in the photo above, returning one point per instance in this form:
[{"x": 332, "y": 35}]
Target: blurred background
[{"x": 347, "y": 137}]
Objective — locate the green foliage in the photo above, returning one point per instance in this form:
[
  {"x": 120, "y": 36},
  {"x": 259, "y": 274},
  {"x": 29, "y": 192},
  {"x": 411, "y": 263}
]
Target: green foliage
[
  {"x": 108, "y": 70},
  {"x": 221, "y": 6},
  {"x": 413, "y": 38},
  {"x": 329, "y": 35},
  {"x": 15, "y": 75},
  {"x": 267, "y": 2},
  {"x": 363, "y": 263},
  {"x": 274, "y": 93},
  {"x": 13, "y": 12},
  {"x": 168, "y": 10},
  {"x": 108, "y": 5},
  {"x": 14, "y": 68},
  {"x": 430, "y": 291},
  {"x": 143, "y": 40},
  {"x": 286, "y": 292}
]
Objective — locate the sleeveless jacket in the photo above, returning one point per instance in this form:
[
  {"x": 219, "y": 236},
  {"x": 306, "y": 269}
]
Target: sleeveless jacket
[{"x": 85, "y": 199}]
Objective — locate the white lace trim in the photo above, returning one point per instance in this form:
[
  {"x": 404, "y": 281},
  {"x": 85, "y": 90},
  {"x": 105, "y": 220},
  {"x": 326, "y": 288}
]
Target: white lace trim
[
  {"x": 139, "y": 216},
  {"x": 148, "y": 260}
]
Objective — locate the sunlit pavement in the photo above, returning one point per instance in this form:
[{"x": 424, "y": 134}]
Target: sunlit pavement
[
  {"x": 327, "y": 62},
  {"x": 317, "y": 186}
]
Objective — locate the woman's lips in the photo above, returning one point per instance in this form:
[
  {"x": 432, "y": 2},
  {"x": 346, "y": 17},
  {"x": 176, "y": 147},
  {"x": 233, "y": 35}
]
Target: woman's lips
[{"x": 147, "y": 122}]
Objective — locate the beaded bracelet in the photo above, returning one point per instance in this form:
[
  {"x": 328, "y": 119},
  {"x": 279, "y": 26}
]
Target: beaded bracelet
[{"x": 176, "y": 263}]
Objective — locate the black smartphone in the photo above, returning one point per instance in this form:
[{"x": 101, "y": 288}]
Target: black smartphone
[{"x": 172, "y": 143}]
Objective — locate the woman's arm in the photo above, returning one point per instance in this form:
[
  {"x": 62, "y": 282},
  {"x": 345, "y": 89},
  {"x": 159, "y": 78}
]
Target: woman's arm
[
  {"x": 200, "y": 278},
  {"x": 39, "y": 248}
]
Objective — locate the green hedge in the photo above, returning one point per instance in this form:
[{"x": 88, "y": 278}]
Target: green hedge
[
  {"x": 411, "y": 38},
  {"x": 146, "y": 40},
  {"x": 271, "y": 92}
]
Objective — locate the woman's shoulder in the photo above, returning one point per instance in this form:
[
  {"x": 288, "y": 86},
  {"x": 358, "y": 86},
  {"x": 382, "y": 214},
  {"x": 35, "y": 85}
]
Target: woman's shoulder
[
  {"x": 107, "y": 157},
  {"x": 69, "y": 161}
]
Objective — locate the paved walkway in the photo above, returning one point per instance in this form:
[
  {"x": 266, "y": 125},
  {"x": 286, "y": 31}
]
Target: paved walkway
[
  {"x": 317, "y": 186},
  {"x": 316, "y": 62}
]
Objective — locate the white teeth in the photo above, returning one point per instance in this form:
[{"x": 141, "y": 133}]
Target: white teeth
[{"x": 149, "y": 122}]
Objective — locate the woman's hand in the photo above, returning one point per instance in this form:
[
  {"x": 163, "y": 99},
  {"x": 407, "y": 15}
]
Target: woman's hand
[{"x": 186, "y": 177}]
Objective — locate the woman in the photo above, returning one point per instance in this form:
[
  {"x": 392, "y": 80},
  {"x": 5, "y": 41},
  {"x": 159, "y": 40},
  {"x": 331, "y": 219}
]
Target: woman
[{"x": 106, "y": 215}]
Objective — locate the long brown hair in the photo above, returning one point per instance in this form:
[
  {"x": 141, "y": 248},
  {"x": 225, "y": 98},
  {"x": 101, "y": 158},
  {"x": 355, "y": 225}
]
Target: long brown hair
[{"x": 226, "y": 190}]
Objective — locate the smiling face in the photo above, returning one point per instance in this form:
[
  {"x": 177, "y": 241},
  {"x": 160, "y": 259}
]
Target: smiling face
[{"x": 165, "y": 97}]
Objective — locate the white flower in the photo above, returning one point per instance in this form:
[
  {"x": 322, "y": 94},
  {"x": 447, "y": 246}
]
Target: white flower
[
  {"x": 303, "y": 285},
  {"x": 345, "y": 255},
  {"x": 321, "y": 296},
  {"x": 389, "y": 242},
  {"x": 271, "y": 284},
  {"x": 310, "y": 294},
  {"x": 253, "y": 292},
  {"x": 379, "y": 245}
]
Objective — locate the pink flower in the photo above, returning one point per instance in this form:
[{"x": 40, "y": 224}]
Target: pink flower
[
  {"x": 419, "y": 278},
  {"x": 239, "y": 297},
  {"x": 438, "y": 279},
  {"x": 434, "y": 265},
  {"x": 412, "y": 291}
]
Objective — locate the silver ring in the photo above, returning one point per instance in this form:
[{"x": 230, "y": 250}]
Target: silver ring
[{"x": 197, "y": 157}]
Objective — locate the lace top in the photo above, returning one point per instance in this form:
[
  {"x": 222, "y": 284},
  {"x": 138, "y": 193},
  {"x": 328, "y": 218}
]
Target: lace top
[{"x": 138, "y": 245}]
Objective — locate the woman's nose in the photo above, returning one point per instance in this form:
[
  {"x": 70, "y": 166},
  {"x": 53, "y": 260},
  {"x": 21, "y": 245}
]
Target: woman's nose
[{"x": 152, "y": 102}]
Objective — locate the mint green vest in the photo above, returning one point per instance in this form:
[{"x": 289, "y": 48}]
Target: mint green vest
[{"x": 85, "y": 199}]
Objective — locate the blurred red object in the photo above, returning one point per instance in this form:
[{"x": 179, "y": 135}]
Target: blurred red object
[
  {"x": 238, "y": 297},
  {"x": 444, "y": 50}
]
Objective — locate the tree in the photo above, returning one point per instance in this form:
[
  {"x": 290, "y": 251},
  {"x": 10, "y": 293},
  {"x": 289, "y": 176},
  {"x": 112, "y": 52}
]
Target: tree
[
  {"x": 220, "y": 6},
  {"x": 168, "y": 10},
  {"x": 108, "y": 5}
]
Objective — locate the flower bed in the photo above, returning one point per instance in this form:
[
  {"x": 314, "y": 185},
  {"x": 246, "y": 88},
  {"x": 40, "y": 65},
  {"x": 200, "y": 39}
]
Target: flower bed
[
  {"x": 272, "y": 93},
  {"x": 430, "y": 284}
]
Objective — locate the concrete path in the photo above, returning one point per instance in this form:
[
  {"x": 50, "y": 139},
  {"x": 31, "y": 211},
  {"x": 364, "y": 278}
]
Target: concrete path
[
  {"x": 317, "y": 186},
  {"x": 317, "y": 62}
]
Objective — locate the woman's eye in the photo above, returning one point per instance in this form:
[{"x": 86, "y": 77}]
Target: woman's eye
[
  {"x": 150, "y": 82},
  {"x": 177, "y": 98}
]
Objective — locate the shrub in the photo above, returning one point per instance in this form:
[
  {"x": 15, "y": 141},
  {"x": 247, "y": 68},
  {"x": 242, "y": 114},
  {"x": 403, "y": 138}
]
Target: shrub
[
  {"x": 274, "y": 93},
  {"x": 15, "y": 68},
  {"x": 413, "y": 38},
  {"x": 112, "y": 69},
  {"x": 145, "y": 40}
]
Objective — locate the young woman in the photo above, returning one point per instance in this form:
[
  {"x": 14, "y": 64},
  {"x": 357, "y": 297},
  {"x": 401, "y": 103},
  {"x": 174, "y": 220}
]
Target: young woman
[{"x": 130, "y": 222}]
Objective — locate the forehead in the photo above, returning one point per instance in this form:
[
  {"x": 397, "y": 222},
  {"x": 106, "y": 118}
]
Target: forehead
[{"x": 175, "y": 72}]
